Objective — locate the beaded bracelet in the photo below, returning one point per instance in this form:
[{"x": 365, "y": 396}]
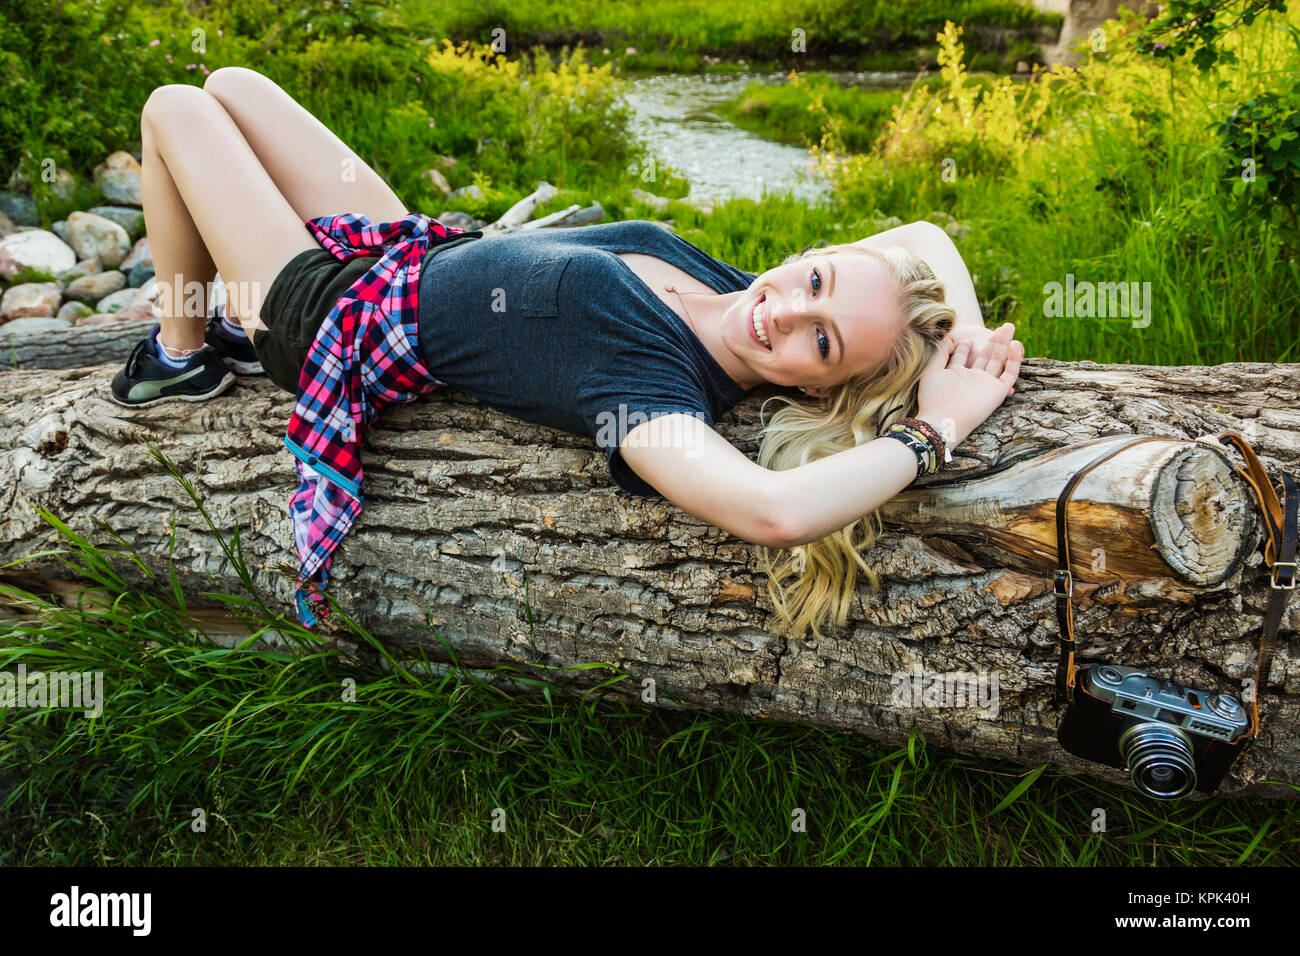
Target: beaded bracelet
[
  {"x": 927, "y": 463},
  {"x": 925, "y": 428}
]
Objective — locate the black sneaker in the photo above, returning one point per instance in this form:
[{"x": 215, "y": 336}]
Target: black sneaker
[
  {"x": 235, "y": 350},
  {"x": 147, "y": 381}
]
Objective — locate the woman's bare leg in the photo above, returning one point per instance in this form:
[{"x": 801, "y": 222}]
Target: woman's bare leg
[
  {"x": 317, "y": 172},
  {"x": 210, "y": 205}
]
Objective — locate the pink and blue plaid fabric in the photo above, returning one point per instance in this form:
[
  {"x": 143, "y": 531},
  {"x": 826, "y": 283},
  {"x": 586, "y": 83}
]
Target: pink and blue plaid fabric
[{"x": 366, "y": 356}]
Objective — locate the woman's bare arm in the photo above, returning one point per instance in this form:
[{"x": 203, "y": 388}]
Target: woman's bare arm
[
  {"x": 696, "y": 469},
  {"x": 700, "y": 472},
  {"x": 936, "y": 247}
]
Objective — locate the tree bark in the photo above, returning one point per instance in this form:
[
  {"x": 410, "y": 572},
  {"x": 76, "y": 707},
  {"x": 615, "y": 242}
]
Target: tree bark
[
  {"x": 473, "y": 521},
  {"x": 73, "y": 347}
]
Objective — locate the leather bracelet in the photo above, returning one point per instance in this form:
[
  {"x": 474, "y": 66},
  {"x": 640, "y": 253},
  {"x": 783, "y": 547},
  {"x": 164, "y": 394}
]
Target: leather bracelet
[
  {"x": 927, "y": 463},
  {"x": 925, "y": 428}
]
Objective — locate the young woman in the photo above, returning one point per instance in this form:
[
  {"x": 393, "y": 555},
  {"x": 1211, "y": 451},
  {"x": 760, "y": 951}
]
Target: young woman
[{"x": 621, "y": 331}]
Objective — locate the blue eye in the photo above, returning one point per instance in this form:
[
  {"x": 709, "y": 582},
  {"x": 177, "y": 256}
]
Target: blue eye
[
  {"x": 824, "y": 349},
  {"x": 817, "y": 276}
]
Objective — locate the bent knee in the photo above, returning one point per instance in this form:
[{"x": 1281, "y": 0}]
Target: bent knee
[
  {"x": 226, "y": 79},
  {"x": 169, "y": 96}
]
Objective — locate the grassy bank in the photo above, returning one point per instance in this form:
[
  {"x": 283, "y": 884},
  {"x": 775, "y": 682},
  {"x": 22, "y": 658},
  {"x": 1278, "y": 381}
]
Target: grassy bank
[
  {"x": 213, "y": 755},
  {"x": 765, "y": 34}
]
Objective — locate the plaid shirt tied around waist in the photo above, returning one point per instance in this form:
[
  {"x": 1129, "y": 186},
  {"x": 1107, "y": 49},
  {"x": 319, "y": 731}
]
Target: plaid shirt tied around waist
[{"x": 365, "y": 357}]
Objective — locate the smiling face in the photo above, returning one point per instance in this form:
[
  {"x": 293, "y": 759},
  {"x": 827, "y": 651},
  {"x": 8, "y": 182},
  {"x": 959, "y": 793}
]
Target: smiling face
[{"x": 821, "y": 320}]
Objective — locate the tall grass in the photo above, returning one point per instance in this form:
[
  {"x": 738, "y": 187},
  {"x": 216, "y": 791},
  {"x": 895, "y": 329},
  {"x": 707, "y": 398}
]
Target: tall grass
[{"x": 240, "y": 753}]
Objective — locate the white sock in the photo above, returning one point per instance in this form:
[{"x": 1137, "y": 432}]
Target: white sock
[
  {"x": 170, "y": 361},
  {"x": 233, "y": 329}
]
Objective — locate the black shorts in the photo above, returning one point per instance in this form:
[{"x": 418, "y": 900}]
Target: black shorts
[{"x": 303, "y": 293}]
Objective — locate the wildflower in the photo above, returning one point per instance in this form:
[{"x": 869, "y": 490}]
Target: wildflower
[
  {"x": 154, "y": 42},
  {"x": 218, "y": 33}
]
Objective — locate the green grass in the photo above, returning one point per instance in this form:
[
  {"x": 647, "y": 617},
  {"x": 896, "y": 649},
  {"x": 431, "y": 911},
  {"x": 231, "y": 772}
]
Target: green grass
[
  {"x": 848, "y": 34},
  {"x": 306, "y": 755}
]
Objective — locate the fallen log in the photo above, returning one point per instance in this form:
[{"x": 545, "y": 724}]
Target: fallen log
[
  {"x": 510, "y": 539},
  {"x": 74, "y": 347}
]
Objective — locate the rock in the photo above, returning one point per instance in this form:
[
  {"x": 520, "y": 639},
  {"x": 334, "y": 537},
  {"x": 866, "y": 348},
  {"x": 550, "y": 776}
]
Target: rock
[
  {"x": 86, "y": 267},
  {"x": 1022, "y": 66},
  {"x": 26, "y": 326},
  {"x": 117, "y": 160},
  {"x": 74, "y": 311},
  {"x": 116, "y": 301},
  {"x": 34, "y": 249},
  {"x": 130, "y": 219},
  {"x": 702, "y": 202},
  {"x": 668, "y": 225},
  {"x": 889, "y": 222},
  {"x": 63, "y": 187},
  {"x": 95, "y": 288},
  {"x": 658, "y": 203},
  {"x": 7, "y": 226},
  {"x": 140, "y": 253},
  {"x": 446, "y": 163},
  {"x": 60, "y": 229},
  {"x": 471, "y": 191},
  {"x": 121, "y": 186},
  {"x": 21, "y": 209},
  {"x": 457, "y": 220},
  {"x": 39, "y": 299},
  {"x": 141, "y": 274},
  {"x": 148, "y": 291},
  {"x": 92, "y": 235},
  {"x": 630, "y": 51},
  {"x": 137, "y": 311},
  {"x": 439, "y": 181}
]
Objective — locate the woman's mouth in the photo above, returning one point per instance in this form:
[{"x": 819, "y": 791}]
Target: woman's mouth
[{"x": 758, "y": 324}]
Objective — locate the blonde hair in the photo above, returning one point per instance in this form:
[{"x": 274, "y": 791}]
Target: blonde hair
[{"x": 824, "y": 572}]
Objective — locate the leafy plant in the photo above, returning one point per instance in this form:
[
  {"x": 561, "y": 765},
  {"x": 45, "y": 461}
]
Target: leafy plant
[
  {"x": 1196, "y": 27},
  {"x": 1262, "y": 138}
]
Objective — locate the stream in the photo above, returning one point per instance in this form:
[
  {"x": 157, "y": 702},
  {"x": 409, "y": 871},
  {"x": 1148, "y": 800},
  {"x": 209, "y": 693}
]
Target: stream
[{"x": 673, "y": 114}]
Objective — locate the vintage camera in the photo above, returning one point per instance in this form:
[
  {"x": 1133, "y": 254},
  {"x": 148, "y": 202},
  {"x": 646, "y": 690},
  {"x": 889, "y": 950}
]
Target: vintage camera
[{"x": 1171, "y": 739}]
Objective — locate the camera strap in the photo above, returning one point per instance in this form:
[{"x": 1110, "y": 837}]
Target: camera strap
[{"x": 1279, "y": 532}]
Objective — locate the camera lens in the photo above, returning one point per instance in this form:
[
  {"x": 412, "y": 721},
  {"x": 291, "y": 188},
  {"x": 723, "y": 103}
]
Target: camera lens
[
  {"x": 1109, "y": 674},
  {"x": 1159, "y": 759}
]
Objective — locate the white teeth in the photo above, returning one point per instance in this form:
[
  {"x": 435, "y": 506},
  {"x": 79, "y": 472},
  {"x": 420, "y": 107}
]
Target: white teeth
[{"x": 759, "y": 326}]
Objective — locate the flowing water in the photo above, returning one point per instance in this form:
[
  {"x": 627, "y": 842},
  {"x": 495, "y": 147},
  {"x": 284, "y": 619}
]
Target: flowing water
[{"x": 674, "y": 115}]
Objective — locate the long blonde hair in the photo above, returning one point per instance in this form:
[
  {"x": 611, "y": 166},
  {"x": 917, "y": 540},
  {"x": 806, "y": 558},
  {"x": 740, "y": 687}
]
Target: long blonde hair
[{"x": 824, "y": 572}]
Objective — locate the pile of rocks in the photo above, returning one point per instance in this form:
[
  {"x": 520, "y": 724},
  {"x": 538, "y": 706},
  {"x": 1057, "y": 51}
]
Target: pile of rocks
[{"x": 93, "y": 268}]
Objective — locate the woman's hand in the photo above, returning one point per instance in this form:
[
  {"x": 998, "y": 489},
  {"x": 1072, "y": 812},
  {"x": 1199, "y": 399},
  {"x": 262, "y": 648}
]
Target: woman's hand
[
  {"x": 982, "y": 343},
  {"x": 970, "y": 375}
]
